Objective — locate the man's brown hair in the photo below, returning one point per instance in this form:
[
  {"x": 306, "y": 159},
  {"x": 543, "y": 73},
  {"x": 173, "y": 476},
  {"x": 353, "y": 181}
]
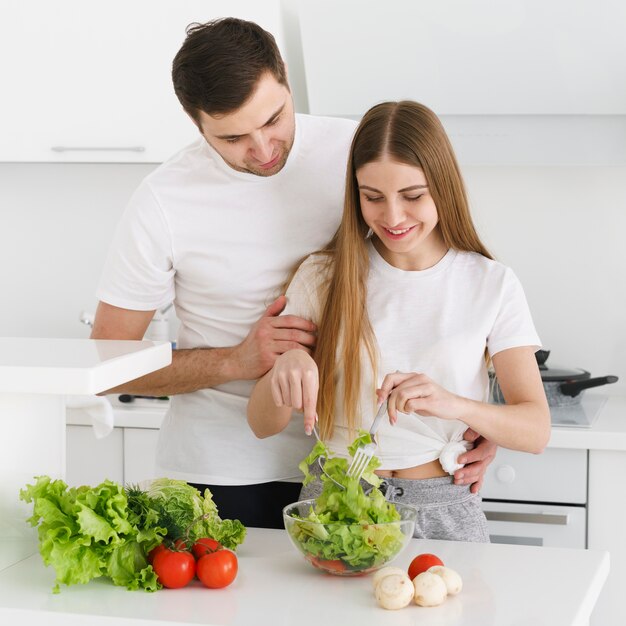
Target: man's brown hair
[{"x": 220, "y": 63}]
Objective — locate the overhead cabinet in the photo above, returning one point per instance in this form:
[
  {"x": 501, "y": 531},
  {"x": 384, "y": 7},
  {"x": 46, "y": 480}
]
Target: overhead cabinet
[
  {"x": 87, "y": 81},
  {"x": 485, "y": 57}
]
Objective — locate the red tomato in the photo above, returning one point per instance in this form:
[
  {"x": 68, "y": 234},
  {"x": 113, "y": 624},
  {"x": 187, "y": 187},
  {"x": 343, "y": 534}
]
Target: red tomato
[
  {"x": 155, "y": 551},
  {"x": 180, "y": 544},
  {"x": 174, "y": 569},
  {"x": 336, "y": 565},
  {"x": 204, "y": 546},
  {"x": 217, "y": 569},
  {"x": 421, "y": 563}
]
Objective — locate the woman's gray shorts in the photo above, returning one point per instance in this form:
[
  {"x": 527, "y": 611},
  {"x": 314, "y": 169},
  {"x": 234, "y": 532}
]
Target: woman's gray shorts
[{"x": 444, "y": 510}]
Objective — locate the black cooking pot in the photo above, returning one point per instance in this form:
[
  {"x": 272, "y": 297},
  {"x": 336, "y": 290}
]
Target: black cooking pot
[{"x": 563, "y": 387}]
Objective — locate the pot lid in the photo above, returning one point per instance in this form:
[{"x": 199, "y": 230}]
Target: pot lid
[{"x": 557, "y": 374}]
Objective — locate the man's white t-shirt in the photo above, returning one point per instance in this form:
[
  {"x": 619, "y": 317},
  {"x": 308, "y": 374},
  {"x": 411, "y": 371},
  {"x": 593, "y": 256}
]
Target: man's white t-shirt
[
  {"x": 436, "y": 322},
  {"x": 220, "y": 243}
]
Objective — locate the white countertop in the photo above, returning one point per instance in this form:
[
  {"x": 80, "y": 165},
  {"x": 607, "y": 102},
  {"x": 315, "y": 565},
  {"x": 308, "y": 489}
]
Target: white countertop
[
  {"x": 607, "y": 433},
  {"x": 503, "y": 585},
  {"x": 75, "y": 366}
]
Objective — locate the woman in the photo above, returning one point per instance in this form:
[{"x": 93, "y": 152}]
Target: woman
[{"x": 410, "y": 307}]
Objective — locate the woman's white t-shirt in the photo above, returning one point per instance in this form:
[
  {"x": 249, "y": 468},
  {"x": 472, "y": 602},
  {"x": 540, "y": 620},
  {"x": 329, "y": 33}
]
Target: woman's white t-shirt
[{"x": 437, "y": 322}]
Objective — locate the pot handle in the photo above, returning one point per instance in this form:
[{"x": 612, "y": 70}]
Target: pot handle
[{"x": 574, "y": 388}]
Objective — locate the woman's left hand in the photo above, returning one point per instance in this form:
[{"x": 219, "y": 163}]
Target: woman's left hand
[{"x": 417, "y": 393}]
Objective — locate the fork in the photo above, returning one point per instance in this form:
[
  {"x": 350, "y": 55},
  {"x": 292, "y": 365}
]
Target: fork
[{"x": 363, "y": 454}]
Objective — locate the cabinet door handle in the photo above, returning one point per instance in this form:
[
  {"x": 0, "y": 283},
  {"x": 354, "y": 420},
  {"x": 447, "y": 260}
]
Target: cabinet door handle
[
  {"x": 527, "y": 518},
  {"x": 98, "y": 149}
]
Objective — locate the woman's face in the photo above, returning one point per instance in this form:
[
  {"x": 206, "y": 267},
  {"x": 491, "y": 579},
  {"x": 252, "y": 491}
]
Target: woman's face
[{"x": 397, "y": 206}]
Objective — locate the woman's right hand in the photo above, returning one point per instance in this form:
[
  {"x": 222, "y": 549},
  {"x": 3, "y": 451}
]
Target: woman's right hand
[{"x": 294, "y": 382}]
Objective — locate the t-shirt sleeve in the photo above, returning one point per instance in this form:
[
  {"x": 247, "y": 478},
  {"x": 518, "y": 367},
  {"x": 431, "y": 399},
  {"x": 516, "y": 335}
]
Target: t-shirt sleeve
[
  {"x": 513, "y": 326},
  {"x": 139, "y": 271},
  {"x": 303, "y": 293}
]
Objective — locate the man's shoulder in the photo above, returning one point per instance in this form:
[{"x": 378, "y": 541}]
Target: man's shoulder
[{"x": 182, "y": 162}]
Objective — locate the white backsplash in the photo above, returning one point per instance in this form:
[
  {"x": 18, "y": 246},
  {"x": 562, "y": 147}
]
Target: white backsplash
[{"x": 560, "y": 228}]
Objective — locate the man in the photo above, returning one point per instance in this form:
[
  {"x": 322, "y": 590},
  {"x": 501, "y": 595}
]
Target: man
[{"x": 217, "y": 229}]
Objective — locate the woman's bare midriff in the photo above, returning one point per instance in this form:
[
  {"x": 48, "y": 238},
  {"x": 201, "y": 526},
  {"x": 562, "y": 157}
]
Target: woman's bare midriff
[{"x": 427, "y": 470}]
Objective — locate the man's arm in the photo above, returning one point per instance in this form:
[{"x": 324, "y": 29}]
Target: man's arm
[{"x": 201, "y": 368}]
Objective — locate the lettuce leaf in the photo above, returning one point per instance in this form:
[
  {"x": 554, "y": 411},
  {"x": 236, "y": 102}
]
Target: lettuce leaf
[
  {"x": 188, "y": 514},
  {"x": 89, "y": 532}
]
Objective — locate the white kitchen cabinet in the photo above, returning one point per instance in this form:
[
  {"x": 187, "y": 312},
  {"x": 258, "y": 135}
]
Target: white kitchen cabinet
[
  {"x": 607, "y": 517},
  {"x": 556, "y": 475},
  {"x": 90, "y": 460},
  {"x": 86, "y": 81},
  {"x": 527, "y": 57},
  {"x": 140, "y": 446},
  {"x": 125, "y": 456}
]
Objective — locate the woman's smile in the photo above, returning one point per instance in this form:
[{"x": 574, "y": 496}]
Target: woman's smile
[{"x": 398, "y": 233}]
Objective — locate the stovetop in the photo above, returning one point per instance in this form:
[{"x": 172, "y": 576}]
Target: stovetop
[{"x": 581, "y": 415}]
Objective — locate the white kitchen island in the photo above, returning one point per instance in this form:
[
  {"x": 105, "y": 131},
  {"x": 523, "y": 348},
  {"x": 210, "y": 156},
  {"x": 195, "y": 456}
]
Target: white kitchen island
[
  {"x": 35, "y": 377},
  {"x": 503, "y": 586}
]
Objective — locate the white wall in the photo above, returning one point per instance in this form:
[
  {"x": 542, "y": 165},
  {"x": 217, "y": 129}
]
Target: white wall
[
  {"x": 56, "y": 224},
  {"x": 561, "y": 229}
]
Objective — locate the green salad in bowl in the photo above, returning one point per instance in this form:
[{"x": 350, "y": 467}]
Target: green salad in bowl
[{"x": 347, "y": 531}]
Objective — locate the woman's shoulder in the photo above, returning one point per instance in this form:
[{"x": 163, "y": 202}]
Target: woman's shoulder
[
  {"x": 487, "y": 275},
  {"x": 314, "y": 270},
  {"x": 480, "y": 264}
]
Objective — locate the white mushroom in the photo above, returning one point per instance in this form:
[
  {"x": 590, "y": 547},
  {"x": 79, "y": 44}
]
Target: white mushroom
[
  {"x": 430, "y": 590},
  {"x": 394, "y": 591},
  {"x": 450, "y": 577},
  {"x": 386, "y": 571}
]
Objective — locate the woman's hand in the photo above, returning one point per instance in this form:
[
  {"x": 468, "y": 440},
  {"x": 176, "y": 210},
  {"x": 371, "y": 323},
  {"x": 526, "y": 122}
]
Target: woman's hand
[
  {"x": 294, "y": 382},
  {"x": 416, "y": 393}
]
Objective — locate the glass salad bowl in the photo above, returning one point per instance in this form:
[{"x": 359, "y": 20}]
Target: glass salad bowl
[{"x": 347, "y": 548}]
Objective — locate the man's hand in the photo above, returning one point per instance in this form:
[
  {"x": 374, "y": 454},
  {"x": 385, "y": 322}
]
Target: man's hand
[
  {"x": 475, "y": 460},
  {"x": 270, "y": 337}
]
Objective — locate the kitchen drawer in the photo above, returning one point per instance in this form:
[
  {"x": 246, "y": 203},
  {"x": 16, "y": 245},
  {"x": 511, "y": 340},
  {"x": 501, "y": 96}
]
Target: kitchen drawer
[
  {"x": 554, "y": 476},
  {"x": 554, "y": 526}
]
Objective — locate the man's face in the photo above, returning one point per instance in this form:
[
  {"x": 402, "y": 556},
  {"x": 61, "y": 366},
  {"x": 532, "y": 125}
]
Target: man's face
[{"x": 257, "y": 137}]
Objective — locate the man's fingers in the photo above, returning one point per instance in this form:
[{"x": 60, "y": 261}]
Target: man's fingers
[
  {"x": 477, "y": 486},
  {"x": 469, "y": 474},
  {"x": 470, "y": 435},
  {"x": 276, "y": 308},
  {"x": 294, "y": 336},
  {"x": 293, "y": 321},
  {"x": 280, "y": 347},
  {"x": 471, "y": 456},
  {"x": 483, "y": 450}
]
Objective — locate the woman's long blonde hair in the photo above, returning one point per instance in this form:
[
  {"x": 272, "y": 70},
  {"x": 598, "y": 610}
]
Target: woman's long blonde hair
[{"x": 409, "y": 133}]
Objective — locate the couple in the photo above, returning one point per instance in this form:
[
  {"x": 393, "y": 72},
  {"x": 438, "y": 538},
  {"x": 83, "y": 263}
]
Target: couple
[{"x": 404, "y": 305}]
